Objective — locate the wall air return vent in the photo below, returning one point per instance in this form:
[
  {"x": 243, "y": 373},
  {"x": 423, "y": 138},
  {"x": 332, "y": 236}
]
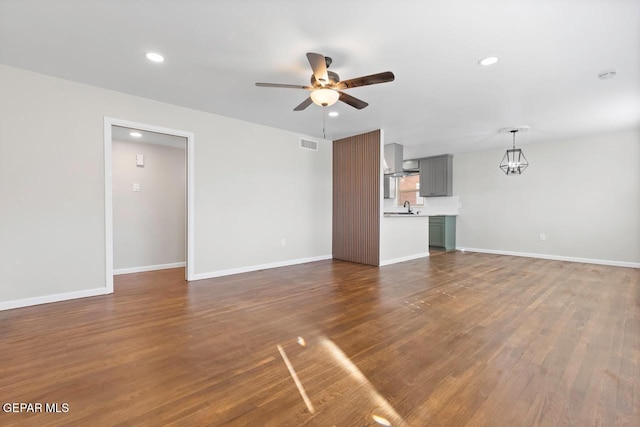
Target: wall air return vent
[{"x": 308, "y": 144}]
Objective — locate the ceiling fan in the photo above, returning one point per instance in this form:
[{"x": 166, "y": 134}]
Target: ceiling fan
[{"x": 326, "y": 86}]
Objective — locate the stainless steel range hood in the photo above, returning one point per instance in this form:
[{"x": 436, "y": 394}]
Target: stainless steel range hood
[
  {"x": 411, "y": 167},
  {"x": 394, "y": 165}
]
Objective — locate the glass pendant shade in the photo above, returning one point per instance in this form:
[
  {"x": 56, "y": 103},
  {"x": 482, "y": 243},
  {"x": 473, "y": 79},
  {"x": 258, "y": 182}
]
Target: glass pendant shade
[
  {"x": 324, "y": 97},
  {"x": 514, "y": 162}
]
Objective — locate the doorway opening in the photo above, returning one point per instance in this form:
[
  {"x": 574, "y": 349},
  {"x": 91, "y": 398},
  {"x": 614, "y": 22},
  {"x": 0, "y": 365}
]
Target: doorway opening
[{"x": 165, "y": 238}]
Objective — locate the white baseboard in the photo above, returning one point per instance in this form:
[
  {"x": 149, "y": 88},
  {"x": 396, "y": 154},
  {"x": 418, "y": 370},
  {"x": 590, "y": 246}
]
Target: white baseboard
[
  {"x": 403, "y": 259},
  {"x": 554, "y": 257},
  {"x": 219, "y": 273},
  {"x": 8, "y": 305},
  {"x": 148, "y": 268}
]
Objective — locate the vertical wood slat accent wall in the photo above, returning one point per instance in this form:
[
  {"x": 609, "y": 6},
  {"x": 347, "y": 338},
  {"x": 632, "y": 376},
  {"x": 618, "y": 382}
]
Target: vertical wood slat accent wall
[{"x": 356, "y": 198}]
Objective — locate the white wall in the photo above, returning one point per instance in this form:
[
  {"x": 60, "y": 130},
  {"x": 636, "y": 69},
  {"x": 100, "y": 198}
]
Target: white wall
[
  {"x": 253, "y": 186},
  {"x": 583, "y": 194},
  {"x": 149, "y": 226}
]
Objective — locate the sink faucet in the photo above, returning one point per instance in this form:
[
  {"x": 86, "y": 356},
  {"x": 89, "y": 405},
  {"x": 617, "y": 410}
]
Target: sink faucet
[{"x": 407, "y": 204}]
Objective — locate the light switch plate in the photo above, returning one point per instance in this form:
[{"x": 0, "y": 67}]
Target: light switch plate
[
  {"x": 136, "y": 186},
  {"x": 140, "y": 160}
]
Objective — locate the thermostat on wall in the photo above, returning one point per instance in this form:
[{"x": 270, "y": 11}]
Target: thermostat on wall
[{"x": 140, "y": 160}]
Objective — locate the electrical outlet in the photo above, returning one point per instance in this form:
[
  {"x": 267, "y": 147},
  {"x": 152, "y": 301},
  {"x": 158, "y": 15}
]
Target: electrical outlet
[
  {"x": 543, "y": 236},
  {"x": 136, "y": 186}
]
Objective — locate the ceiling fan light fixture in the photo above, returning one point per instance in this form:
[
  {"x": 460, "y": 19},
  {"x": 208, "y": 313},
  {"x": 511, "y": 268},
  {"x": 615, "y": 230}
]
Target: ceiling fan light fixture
[
  {"x": 324, "y": 97},
  {"x": 326, "y": 86}
]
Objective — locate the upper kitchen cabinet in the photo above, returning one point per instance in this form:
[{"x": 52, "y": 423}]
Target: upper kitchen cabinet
[{"x": 436, "y": 176}]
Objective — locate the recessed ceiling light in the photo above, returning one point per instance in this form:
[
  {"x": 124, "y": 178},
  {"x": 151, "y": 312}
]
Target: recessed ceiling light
[
  {"x": 154, "y": 57},
  {"x": 488, "y": 61},
  {"x": 334, "y": 114},
  {"x": 135, "y": 134}
]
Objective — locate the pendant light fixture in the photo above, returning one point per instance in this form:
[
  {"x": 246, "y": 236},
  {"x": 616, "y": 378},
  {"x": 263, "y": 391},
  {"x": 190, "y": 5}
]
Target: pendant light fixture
[{"x": 514, "y": 162}]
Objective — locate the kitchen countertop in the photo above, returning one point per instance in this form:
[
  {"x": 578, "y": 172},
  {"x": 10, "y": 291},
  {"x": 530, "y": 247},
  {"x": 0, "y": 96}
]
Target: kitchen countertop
[{"x": 418, "y": 215}]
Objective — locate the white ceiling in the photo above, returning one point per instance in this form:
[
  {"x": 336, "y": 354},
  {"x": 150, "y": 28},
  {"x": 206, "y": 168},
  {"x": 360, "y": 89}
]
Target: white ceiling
[{"x": 550, "y": 51}]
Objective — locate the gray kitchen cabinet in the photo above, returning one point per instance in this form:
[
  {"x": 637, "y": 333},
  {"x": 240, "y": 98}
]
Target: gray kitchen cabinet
[
  {"x": 436, "y": 176},
  {"x": 442, "y": 232}
]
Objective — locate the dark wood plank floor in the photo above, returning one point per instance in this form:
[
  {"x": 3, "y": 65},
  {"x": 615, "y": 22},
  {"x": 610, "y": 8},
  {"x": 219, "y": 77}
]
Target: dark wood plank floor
[{"x": 460, "y": 339}]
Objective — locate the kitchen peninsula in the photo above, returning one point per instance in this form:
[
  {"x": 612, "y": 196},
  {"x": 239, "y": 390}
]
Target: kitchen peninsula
[{"x": 404, "y": 236}]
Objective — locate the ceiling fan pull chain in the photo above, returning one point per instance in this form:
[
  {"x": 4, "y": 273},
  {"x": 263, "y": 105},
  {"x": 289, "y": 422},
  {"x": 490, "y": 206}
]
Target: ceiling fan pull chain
[{"x": 324, "y": 122}]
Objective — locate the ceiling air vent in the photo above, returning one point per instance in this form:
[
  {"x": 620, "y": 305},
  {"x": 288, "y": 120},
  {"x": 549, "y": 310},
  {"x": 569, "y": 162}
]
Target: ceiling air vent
[{"x": 309, "y": 145}]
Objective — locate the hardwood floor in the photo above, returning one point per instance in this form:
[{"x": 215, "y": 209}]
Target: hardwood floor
[{"x": 460, "y": 339}]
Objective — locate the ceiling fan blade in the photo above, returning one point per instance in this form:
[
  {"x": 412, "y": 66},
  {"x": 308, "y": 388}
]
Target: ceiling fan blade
[
  {"x": 304, "y": 104},
  {"x": 353, "y": 101},
  {"x": 319, "y": 66},
  {"x": 283, "y": 85},
  {"x": 373, "y": 79}
]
